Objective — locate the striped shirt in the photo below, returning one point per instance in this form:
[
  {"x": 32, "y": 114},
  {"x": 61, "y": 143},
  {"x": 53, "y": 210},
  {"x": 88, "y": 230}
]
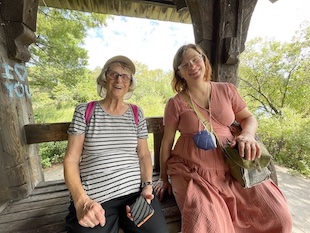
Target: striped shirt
[{"x": 109, "y": 166}]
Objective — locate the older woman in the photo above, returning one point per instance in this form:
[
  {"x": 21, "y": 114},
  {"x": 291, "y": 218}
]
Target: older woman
[
  {"x": 209, "y": 198},
  {"x": 108, "y": 164}
]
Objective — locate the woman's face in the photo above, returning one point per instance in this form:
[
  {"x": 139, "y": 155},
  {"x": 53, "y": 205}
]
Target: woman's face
[
  {"x": 192, "y": 67},
  {"x": 118, "y": 80}
]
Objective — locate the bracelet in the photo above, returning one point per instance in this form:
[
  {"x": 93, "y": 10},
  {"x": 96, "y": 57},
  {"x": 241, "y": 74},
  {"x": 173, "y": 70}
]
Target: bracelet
[{"x": 146, "y": 184}]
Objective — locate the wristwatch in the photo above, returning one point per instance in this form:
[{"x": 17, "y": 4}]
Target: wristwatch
[{"x": 146, "y": 183}]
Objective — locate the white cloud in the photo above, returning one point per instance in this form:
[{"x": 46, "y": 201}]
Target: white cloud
[{"x": 148, "y": 41}]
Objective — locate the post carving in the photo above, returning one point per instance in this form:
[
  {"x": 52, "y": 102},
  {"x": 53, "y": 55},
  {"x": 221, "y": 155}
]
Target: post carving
[
  {"x": 19, "y": 23},
  {"x": 221, "y": 29}
]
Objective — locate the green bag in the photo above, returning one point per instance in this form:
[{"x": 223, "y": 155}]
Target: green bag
[{"x": 248, "y": 173}]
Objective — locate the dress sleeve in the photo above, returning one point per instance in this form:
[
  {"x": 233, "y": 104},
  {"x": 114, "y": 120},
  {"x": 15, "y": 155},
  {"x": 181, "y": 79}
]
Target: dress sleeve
[
  {"x": 237, "y": 102},
  {"x": 171, "y": 114}
]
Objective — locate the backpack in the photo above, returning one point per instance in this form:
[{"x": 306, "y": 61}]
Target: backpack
[{"x": 91, "y": 107}]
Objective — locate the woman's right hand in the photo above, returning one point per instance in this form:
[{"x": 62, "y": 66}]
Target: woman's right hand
[
  {"x": 90, "y": 214},
  {"x": 160, "y": 188}
]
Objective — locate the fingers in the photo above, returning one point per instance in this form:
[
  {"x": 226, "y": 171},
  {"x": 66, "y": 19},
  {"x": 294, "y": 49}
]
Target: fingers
[
  {"x": 248, "y": 149},
  {"x": 129, "y": 213},
  {"x": 100, "y": 215},
  {"x": 93, "y": 214},
  {"x": 160, "y": 188}
]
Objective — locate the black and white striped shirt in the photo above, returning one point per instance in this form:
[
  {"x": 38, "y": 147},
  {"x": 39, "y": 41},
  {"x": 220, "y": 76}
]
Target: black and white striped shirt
[{"x": 109, "y": 164}]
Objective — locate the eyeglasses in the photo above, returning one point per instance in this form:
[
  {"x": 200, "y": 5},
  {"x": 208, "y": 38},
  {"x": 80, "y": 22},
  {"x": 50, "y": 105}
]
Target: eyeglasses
[
  {"x": 194, "y": 61},
  {"x": 113, "y": 75}
]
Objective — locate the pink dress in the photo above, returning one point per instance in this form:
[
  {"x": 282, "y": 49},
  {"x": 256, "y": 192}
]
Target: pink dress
[{"x": 209, "y": 199}]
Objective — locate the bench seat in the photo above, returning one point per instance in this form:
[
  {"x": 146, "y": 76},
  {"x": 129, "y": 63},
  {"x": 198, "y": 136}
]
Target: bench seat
[{"x": 47, "y": 206}]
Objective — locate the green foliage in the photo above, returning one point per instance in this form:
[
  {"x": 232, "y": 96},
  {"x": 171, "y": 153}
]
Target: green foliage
[
  {"x": 153, "y": 90},
  {"x": 288, "y": 140},
  {"x": 52, "y": 152},
  {"x": 273, "y": 80},
  {"x": 275, "y": 83},
  {"x": 57, "y": 72}
]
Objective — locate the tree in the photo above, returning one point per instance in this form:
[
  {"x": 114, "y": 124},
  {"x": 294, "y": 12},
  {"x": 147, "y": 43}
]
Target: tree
[
  {"x": 58, "y": 64},
  {"x": 274, "y": 81},
  {"x": 153, "y": 89},
  {"x": 273, "y": 75}
]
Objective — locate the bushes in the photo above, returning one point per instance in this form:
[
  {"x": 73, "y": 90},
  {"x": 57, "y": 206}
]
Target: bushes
[
  {"x": 288, "y": 140},
  {"x": 52, "y": 153}
]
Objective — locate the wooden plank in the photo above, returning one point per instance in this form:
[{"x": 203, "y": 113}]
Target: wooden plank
[
  {"x": 35, "y": 205},
  {"x": 38, "y": 133},
  {"x": 33, "y": 213},
  {"x": 49, "y": 189},
  {"x": 43, "y": 197},
  {"x": 132, "y": 8},
  {"x": 34, "y": 223}
]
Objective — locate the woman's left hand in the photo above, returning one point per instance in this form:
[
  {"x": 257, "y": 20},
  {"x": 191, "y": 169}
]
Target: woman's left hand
[
  {"x": 147, "y": 193},
  {"x": 247, "y": 146}
]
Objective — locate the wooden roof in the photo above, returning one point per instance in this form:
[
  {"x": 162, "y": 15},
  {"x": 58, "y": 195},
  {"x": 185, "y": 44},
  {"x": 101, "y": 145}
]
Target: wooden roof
[{"x": 164, "y": 10}]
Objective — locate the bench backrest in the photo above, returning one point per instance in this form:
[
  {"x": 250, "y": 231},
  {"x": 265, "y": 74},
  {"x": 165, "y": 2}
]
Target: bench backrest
[{"x": 51, "y": 132}]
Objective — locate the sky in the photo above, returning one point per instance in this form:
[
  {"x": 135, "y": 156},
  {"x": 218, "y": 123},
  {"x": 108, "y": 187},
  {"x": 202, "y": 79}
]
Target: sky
[{"x": 154, "y": 42}]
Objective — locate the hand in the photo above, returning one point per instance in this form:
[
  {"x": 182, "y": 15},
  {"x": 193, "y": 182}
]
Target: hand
[
  {"x": 90, "y": 214},
  {"x": 147, "y": 193},
  {"x": 160, "y": 188},
  {"x": 247, "y": 146}
]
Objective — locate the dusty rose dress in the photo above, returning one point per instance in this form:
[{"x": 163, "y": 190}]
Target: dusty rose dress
[{"x": 209, "y": 199}]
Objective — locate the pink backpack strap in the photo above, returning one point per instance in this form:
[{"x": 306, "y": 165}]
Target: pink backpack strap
[
  {"x": 89, "y": 111},
  {"x": 135, "y": 111}
]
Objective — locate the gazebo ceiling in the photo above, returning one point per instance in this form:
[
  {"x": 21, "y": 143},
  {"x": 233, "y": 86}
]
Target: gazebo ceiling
[{"x": 165, "y": 10}]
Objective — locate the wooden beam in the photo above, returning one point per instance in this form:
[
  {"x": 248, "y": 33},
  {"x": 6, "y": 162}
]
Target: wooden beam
[{"x": 38, "y": 133}]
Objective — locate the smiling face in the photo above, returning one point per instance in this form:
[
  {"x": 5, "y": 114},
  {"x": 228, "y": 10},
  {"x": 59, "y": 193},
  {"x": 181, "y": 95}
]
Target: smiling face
[
  {"x": 192, "y": 67},
  {"x": 118, "y": 80}
]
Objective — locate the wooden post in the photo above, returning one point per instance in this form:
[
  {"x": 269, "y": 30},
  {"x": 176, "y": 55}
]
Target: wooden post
[
  {"x": 20, "y": 166},
  {"x": 221, "y": 29}
]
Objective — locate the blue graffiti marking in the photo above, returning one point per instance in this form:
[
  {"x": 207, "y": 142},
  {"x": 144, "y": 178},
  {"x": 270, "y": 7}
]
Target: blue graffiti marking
[
  {"x": 22, "y": 76},
  {"x": 7, "y": 73},
  {"x": 16, "y": 87}
]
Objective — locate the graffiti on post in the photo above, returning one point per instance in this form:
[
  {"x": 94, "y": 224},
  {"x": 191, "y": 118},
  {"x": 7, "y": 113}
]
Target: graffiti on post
[{"x": 16, "y": 87}]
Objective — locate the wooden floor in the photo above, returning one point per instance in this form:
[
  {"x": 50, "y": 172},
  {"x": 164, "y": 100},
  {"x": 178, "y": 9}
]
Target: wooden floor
[{"x": 45, "y": 210}]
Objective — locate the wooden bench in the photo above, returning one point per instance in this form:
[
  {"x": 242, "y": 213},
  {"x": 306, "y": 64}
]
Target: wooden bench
[{"x": 46, "y": 207}]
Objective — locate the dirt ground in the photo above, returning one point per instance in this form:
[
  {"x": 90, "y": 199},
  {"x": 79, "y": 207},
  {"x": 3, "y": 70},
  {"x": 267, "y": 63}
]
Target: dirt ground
[{"x": 54, "y": 173}]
